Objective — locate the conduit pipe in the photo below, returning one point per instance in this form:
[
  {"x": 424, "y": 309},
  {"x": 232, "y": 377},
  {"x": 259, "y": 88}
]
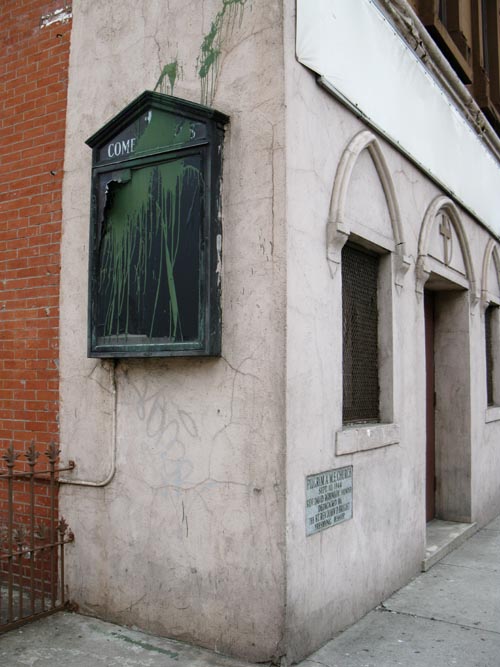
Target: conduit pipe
[{"x": 111, "y": 474}]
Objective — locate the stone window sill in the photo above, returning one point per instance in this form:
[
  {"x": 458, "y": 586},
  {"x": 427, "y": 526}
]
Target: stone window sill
[
  {"x": 492, "y": 414},
  {"x": 364, "y": 437}
]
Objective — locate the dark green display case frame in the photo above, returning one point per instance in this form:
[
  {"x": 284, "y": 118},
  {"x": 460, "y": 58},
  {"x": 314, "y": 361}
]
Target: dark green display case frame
[{"x": 187, "y": 140}]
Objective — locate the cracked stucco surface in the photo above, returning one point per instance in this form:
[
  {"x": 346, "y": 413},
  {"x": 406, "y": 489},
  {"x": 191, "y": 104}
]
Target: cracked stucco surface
[
  {"x": 187, "y": 540},
  {"x": 337, "y": 576}
]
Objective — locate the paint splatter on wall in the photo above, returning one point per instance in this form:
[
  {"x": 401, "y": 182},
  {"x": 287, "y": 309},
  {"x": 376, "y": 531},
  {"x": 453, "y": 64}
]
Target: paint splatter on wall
[
  {"x": 211, "y": 47},
  {"x": 169, "y": 73},
  {"x": 208, "y": 61}
]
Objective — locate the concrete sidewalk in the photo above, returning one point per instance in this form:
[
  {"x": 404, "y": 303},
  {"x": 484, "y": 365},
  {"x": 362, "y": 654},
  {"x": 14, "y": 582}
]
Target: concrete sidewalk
[{"x": 448, "y": 616}]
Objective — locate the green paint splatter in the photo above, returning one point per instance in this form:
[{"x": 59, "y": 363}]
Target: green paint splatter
[
  {"x": 141, "y": 228},
  {"x": 211, "y": 46},
  {"x": 163, "y": 129},
  {"x": 170, "y": 72},
  {"x": 143, "y": 221}
]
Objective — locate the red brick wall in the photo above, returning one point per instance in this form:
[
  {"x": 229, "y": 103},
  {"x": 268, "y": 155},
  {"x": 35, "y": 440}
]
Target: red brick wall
[{"x": 33, "y": 83}]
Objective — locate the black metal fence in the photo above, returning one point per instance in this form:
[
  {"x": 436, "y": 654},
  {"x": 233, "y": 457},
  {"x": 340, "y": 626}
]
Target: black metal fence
[{"x": 32, "y": 537}]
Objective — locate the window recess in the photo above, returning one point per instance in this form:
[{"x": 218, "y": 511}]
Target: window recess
[
  {"x": 449, "y": 22},
  {"x": 486, "y": 85},
  {"x": 492, "y": 332},
  {"x": 360, "y": 402},
  {"x": 368, "y": 410},
  {"x": 468, "y": 34}
]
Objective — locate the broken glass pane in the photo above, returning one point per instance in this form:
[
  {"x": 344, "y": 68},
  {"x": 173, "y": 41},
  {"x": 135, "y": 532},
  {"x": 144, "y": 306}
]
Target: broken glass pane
[{"x": 149, "y": 239}]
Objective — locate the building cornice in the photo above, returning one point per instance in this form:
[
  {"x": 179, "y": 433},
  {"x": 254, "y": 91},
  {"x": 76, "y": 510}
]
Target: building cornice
[{"x": 409, "y": 26}]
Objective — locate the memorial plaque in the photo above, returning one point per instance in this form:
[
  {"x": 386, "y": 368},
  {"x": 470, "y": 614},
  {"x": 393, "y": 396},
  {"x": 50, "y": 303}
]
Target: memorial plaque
[{"x": 328, "y": 499}]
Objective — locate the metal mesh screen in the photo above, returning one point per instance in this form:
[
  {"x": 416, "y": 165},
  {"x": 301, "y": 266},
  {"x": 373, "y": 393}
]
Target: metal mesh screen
[
  {"x": 489, "y": 353},
  {"x": 360, "y": 336}
]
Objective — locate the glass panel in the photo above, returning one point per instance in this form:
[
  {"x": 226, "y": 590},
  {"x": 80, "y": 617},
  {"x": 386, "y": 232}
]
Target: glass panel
[
  {"x": 148, "y": 236},
  {"x": 484, "y": 28},
  {"x": 152, "y": 131},
  {"x": 443, "y": 14}
]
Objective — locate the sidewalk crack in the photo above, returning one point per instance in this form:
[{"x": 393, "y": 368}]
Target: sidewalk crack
[
  {"x": 470, "y": 567},
  {"x": 383, "y": 608}
]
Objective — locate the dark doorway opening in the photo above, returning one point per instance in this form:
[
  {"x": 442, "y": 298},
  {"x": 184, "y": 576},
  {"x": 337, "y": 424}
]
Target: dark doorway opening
[{"x": 430, "y": 402}]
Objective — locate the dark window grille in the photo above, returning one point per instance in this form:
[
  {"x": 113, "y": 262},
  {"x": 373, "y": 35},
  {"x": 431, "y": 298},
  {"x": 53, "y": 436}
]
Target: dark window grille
[
  {"x": 360, "y": 336},
  {"x": 488, "y": 319}
]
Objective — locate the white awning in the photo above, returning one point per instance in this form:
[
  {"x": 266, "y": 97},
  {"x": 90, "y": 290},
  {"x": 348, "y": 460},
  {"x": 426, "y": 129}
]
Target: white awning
[{"x": 366, "y": 63}]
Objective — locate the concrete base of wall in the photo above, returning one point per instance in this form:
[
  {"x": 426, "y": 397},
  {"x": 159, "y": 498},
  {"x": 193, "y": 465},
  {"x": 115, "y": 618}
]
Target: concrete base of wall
[{"x": 443, "y": 537}]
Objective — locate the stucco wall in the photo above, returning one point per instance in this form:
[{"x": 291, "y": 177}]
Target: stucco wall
[
  {"x": 187, "y": 538},
  {"x": 337, "y": 575},
  {"x": 186, "y": 534}
]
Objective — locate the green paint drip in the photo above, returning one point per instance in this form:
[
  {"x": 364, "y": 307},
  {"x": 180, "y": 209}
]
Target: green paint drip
[
  {"x": 212, "y": 45},
  {"x": 170, "y": 72},
  {"x": 146, "y": 645},
  {"x": 143, "y": 206}
]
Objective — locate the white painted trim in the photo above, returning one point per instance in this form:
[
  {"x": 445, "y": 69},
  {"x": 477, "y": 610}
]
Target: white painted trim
[
  {"x": 492, "y": 414},
  {"x": 425, "y": 263},
  {"x": 339, "y": 225},
  {"x": 352, "y": 439},
  {"x": 490, "y": 294}
]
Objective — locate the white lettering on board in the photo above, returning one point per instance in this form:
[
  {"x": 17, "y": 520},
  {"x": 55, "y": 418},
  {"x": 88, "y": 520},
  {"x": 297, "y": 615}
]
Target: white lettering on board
[{"x": 123, "y": 147}]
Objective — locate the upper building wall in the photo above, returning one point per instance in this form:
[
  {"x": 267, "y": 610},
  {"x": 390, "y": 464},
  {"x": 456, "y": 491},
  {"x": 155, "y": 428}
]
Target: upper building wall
[
  {"x": 468, "y": 34},
  {"x": 347, "y": 183},
  {"x": 181, "y": 463},
  {"x": 389, "y": 72},
  {"x": 181, "y": 500}
]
